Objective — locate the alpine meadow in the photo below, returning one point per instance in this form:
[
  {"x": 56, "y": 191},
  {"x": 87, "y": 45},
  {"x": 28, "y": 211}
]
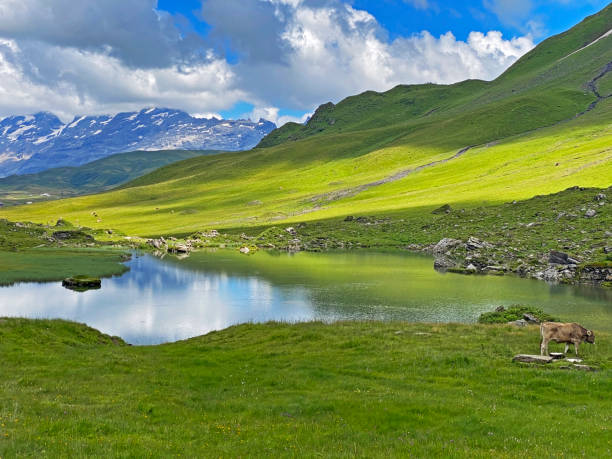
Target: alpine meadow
[{"x": 375, "y": 280}]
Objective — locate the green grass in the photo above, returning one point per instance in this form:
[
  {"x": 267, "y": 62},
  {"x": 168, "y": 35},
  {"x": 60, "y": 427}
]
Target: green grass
[
  {"x": 513, "y": 313},
  {"x": 93, "y": 177},
  {"x": 46, "y": 264},
  {"x": 303, "y": 173},
  {"x": 351, "y": 389}
]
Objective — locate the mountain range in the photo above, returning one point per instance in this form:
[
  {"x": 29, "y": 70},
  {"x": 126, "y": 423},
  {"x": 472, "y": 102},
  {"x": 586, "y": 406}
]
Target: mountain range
[
  {"x": 34, "y": 143},
  {"x": 541, "y": 127}
]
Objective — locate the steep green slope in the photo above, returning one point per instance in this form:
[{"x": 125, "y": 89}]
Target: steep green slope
[
  {"x": 540, "y": 128},
  {"x": 89, "y": 178}
]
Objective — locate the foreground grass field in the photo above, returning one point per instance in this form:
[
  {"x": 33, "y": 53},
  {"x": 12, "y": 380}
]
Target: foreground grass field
[{"x": 350, "y": 389}]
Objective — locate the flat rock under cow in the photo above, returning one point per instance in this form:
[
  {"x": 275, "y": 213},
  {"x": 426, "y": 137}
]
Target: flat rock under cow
[{"x": 528, "y": 358}]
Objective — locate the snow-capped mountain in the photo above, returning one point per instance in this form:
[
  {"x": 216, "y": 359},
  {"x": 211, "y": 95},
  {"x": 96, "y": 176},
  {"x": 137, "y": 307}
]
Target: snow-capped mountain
[{"x": 37, "y": 142}]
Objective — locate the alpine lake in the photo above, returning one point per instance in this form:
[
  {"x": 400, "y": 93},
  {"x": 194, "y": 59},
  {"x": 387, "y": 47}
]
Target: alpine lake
[{"x": 171, "y": 299}]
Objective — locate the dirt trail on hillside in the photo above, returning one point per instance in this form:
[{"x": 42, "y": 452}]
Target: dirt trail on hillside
[{"x": 349, "y": 192}]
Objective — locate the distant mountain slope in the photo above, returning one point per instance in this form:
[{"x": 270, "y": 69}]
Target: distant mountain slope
[
  {"x": 94, "y": 177},
  {"x": 37, "y": 142},
  {"x": 543, "y": 126},
  {"x": 547, "y": 85}
]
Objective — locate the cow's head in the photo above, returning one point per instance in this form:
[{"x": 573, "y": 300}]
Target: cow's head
[{"x": 590, "y": 337}]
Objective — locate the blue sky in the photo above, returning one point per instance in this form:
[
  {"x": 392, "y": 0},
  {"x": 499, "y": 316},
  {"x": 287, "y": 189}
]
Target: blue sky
[
  {"x": 277, "y": 59},
  {"x": 401, "y": 18}
]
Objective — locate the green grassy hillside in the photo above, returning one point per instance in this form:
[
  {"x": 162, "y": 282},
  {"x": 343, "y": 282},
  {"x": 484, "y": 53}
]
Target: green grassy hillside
[
  {"x": 538, "y": 129},
  {"x": 94, "y": 177},
  {"x": 307, "y": 390}
]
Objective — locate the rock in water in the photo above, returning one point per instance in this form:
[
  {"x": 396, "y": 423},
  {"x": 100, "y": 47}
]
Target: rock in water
[
  {"x": 442, "y": 262},
  {"x": 82, "y": 283},
  {"x": 528, "y": 358}
]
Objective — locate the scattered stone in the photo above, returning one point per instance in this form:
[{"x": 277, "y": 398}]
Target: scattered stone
[
  {"x": 157, "y": 243},
  {"x": 531, "y": 319},
  {"x": 584, "y": 367},
  {"x": 245, "y": 250},
  {"x": 519, "y": 323},
  {"x": 574, "y": 360},
  {"x": 445, "y": 245},
  {"x": 476, "y": 244},
  {"x": 561, "y": 258},
  {"x": 528, "y": 358},
  {"x": 70, "y": 235},
  {"x": 590, "y": 213},
  {"x": 471, "y": 268},
  {"x": 349, "y": 218},
  {"x": 557, "y": 355},
  {"x": 500, "y": 309},
  {"x": 442, "y": 262},
  {"x": 179, "y": 249},
  {"x": 291, "y": 230},
  {"x": 600, "y": 197},
  {"x": 445, "y": 209}
]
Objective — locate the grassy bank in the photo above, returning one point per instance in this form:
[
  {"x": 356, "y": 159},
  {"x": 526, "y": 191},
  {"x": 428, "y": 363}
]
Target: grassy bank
[
  {"x": 31, "y": 252},
  {"x": 351, "y": 389},
  {"x": 39, "y": 265}
]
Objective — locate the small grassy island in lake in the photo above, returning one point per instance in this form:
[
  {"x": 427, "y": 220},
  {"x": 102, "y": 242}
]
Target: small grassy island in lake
[{"x": 82, "y": 283}]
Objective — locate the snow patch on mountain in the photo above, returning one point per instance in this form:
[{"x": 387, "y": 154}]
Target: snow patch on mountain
[{"x": 37, "y": 142}]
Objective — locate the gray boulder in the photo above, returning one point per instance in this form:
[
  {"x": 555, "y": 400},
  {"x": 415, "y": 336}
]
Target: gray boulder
[
  {"x": 561, "y": 258},
  {"x": 446, "y": 245},
  {"x": 527, "y": 358},
  {"x": 442, "y": 262},
  {"x": 476, "y": 244}
]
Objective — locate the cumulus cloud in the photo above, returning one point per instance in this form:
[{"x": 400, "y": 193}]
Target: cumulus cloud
[
  {"x": 69, "y": 81},
  {"x": 334, "y": 50},
  {"x": 100, "y": 57}
]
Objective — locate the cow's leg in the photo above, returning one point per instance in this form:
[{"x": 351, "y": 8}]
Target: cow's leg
[
  {"x": 576, "y": 347},
  {"x": 544, "y": 347},
  {"x": 566, "y": 348}
]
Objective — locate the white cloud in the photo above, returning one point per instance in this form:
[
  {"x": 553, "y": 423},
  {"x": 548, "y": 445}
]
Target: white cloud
[
  {"x": 296, "y": 55},
  {"x": 332, "y": 52},
  {"x": 69, "y": 81}
]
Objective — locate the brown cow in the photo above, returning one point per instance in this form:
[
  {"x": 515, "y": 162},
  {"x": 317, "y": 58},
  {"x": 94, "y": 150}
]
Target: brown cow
[{"x": 564, "y": 333}]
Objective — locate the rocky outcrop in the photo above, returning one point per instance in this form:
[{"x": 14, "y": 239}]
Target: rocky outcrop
[
  {"x": 595, "y": 274},
  {"x": 445, "y": 246},
  {"x": 561, "y": 258}
]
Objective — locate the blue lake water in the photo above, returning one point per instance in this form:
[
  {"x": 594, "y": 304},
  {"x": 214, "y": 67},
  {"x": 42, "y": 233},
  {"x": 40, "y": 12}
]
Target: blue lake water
[{"x": 168, "y": 300}]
